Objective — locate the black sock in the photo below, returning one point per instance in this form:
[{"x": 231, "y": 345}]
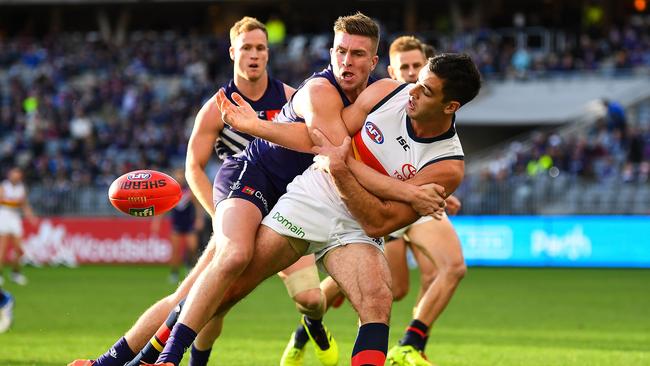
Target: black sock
[
  {"x": 301, "y": 337},
  {"x": 198, "y": 357},
  {"x": 416, "y": 335},
  {"x": 371, "y": 345},
  {"x": 317, "y": 331}
]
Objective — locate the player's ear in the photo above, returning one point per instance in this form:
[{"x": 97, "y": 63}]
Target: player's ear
[
  {"x": 375, "y": 60},
  {"x": 391, "y": 72},
  {"x": 452, "y": 107},
  {"x": 231, "y": 51}
]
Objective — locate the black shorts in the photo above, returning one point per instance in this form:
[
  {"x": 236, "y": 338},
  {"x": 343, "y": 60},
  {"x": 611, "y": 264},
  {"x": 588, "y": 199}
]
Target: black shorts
[{"x": 239, "y": 178}]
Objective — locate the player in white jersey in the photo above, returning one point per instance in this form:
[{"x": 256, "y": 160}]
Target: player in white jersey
[
  {"x": 13, "y": 202},
  {"x": 329, "y": 223},
  {"x": 313, "y": 217},
  {"x": 434, "y": 243}
]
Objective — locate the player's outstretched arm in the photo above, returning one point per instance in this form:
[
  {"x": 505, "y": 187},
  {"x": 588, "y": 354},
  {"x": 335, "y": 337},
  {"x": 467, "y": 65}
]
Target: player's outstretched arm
[
  {"x": 241, "y": 116},
  {"x": 207, "y": 126}
]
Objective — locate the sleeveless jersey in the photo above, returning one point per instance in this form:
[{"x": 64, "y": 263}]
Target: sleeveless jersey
[
  {"x": 13, "y": 196},
  {"x": 280, "y": 163},
  {"x": 388, "y": 144},
  {"x": 231, "y": 141}
]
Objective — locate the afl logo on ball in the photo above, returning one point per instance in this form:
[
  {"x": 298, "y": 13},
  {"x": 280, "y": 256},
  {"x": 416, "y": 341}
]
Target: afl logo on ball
[
  {"x": 137, "y": 177},
  {"x": 374, "y": 132}
]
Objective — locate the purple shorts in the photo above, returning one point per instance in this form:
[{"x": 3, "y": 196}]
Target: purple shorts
[{"x": 239, "y": 178}]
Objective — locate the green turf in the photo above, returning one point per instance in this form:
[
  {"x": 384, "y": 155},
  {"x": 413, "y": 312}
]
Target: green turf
[{"x": 498, "y": 317}]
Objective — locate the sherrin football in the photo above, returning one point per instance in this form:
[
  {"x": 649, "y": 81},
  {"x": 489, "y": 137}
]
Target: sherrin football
[{"x": 144, "y": 193}]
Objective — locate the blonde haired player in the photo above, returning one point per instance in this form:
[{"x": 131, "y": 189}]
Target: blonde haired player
[
  {"x": 249, "y": 52},
  {"x": 13, "y": 200}
]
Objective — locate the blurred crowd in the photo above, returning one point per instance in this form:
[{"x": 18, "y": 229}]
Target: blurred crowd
[
  {"x": 76, "y": 111},
  {"x": 609, "y": 150},
  {"x": 555, "y": 169},
  {"x": 619, "y": 50}
]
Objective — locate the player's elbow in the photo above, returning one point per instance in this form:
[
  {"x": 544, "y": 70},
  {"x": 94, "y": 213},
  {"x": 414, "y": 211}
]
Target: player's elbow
[{"x": 372, "y": 230}]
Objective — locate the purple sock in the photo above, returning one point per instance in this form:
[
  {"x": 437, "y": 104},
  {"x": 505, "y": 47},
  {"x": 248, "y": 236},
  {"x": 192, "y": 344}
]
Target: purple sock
[
  {"x": 179, "y": 340},
  {"x": 118, "y": 355},
  {"x": 198, "y": 357}
]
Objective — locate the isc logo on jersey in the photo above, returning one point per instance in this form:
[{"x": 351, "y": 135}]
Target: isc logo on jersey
[
  {"x": 374, "y": 132},
  {"x": 137, "y": 177}
]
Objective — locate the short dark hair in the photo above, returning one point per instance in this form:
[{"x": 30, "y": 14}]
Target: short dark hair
[
  {"x": 461, "y": 79},
  {"x": 429, "y": 50}
]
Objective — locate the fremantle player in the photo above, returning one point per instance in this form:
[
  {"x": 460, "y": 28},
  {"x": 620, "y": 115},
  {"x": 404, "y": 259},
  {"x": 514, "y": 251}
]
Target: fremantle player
[
  {"x": 249, "y": 51},
  {"x": 265, "y": 169},
  {"x": 312, "y": 217}
]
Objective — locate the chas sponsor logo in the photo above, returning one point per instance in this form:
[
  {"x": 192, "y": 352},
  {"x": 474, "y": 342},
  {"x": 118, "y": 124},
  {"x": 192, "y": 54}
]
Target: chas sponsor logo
[
  {"x": 253, "y": 192},
  {"x": 289, "y": 225},
  {"x": 138, "y": 176},
  {"x": 152, "y": 184},
  {"x": 374, "y": 132}
]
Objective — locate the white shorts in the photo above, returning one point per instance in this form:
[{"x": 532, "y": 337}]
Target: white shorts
[
  {"x": 312, "y": 211},
  {"x": 10, "y": 223}
]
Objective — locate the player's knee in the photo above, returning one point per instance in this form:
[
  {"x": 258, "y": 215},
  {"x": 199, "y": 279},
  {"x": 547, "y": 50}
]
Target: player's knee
[
  {"x": 310, "y": 302},
  {"x": 234, "y": 258},
  {"x": 400, "y": 291},
  {"x": 456, "y": 271}
]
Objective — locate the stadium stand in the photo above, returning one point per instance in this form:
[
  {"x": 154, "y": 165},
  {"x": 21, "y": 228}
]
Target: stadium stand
[{"x": 78, "y": 112}]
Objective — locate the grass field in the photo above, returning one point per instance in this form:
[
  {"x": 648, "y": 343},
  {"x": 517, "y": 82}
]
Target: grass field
[{"x": 498, "y": 317}]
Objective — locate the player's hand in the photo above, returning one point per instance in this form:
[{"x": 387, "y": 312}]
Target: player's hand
[
  {"x": 239, "y": 116},
  {"x": 453, "y": 205},
  {"x": 328, "y": 155},
  {"x": 429, "y": 200}
]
